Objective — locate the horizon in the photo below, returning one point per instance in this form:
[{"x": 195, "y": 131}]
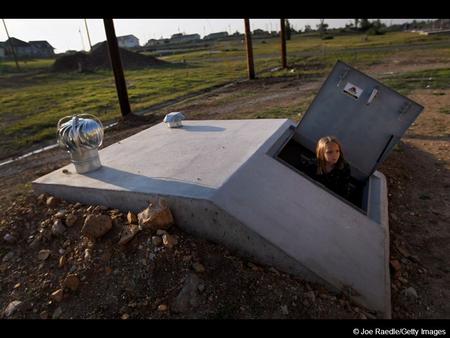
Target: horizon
[{"x": 70, "y": 34}]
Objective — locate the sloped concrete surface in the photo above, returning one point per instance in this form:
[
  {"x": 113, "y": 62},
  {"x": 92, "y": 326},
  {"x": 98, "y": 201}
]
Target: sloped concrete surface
[{"x": 222, "y": 184}]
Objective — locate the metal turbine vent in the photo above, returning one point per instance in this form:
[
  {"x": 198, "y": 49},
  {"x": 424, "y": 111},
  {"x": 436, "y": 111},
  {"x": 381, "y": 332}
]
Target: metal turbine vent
[{"x": 81, "y": 135}]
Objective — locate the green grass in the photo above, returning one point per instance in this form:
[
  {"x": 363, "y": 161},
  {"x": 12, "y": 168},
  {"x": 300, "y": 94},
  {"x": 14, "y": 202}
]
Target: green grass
[
  {"x": 426, "y": 79},
  {"x": 9, "y": 67},
  {"x": 34, "y": 99}
]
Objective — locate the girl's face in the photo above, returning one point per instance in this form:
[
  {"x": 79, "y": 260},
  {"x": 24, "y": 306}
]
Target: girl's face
[{"x": 332, "y": 153}]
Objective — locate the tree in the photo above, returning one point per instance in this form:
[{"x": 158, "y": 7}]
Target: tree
[
  {"x": 307, "y": 28},
  {"x": 322, "y": 27},
  {"x": 356, "y": 24},
  {"x": 365, "y": 25}
]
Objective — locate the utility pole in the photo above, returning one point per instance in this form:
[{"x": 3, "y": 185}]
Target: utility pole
[
  {"x": 248, "y": 44},
  {"x": 89, "y": 38},
  {"x": 283, "y": 43},
  {"x": 11, "y": 45},
  {"x": 116, "y": 64}
]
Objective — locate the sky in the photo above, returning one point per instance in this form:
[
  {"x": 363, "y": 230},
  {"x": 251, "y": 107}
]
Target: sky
[{"x": 70, "y": 34}]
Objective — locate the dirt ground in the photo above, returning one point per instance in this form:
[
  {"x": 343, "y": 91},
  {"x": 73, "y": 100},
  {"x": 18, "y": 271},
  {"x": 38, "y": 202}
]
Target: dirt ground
[{"x": 143, "y": 280}]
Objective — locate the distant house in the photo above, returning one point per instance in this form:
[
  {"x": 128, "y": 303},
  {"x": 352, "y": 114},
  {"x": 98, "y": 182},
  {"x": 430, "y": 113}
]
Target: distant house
[
  {"x": 41, "y": 49},
  {"x": 21, "y": 48},
  {"x": 259, "y": 33},
  {"x": 152, "y": 42},
  {"x": 128, "y": 41},
  {"x": 183, "y": 38},
  {"x": 215, "y": 36}
]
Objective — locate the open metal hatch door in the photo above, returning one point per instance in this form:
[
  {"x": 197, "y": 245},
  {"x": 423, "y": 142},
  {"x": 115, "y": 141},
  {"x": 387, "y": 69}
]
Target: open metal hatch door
[{"x": 365, "y": 115}]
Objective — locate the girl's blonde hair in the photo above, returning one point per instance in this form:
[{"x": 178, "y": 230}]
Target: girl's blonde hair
[{"x": 320, "y": 153}]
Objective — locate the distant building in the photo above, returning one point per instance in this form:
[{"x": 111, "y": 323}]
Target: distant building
[
  {"x": 183, "y": 38},
  {"x": 41, "y": 49},
  {"x": 152, "y": 42},
  {"x": 156, "y": 42},
  {"x": 127, "y": 41},
  {"x": 259, "y": 33},
  {"x": 31, "y": 49},
  {"x": 21, "y": 48},
  {"x": 216, "y": 36}
]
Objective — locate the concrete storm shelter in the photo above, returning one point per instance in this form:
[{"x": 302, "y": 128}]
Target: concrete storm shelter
[{"x": 241, "y": 183}]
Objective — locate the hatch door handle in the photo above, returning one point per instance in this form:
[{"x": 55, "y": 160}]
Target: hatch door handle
[{"x": 372, "y": 96}]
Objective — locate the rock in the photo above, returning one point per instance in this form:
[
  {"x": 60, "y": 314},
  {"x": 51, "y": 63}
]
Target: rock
[
  {"x": 8, "y": 256},
  {"x": 198, "y": 267},
  {"x": 12, "y": 307},
  {"x": 403, "y": 251},
  {"x": 156, "y": 217},
  {"x": 284, "y": 309},
  {"x": 99, "y": 208},
  {"x": 3, "y": 268},
  {"x": 43, "y": 254},
  {"x": 403, "y": 280},
  {"x": 57, "y": 296},
  {"x": 52, "y": 202},
  {"x": 188, "y": 297},
  {"x": 125, "y": 316},
  {"x": 395, "y": 264},
  {"x": 60, "y": 214},
  {"x": 253, "y": 266},
  {"x": 310, "y": 296},
  {"x": 162, "y": 307},
  {"x": 57, "y": 313},
  {"x": 156, "y": 240},
  {"x": 58, "y": 228},
  {"x": 96, "y": 226},
  {"x": 71, "y": 220},
  {"x": 128, "y": 233},
  {"x": 414, "y": 258},
  {"x": 169, "y": 241},
  {"x": 10, "y": 239},
  {"x": 72, "y": 282},
  {"x": 42, "y": 198},
  {"x": 273, "y": 270},
  {"x": 369, "y": 315},
  {"x": 62, "y": 261},
  {"x": 201, "y": 287},
  {"x": 394, "y": 217},
  {"x": 161, "y": 232},
  {"x": 410, "y": 293},
  {"x": 132, "y": 218},
  {"x": 87, "y": 254},
  {"x": 35, "y": 243},
  {"x": 43, "y": 315}
]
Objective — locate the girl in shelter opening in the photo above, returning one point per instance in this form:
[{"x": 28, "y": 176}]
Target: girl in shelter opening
[{"x": 330, "y": 167}]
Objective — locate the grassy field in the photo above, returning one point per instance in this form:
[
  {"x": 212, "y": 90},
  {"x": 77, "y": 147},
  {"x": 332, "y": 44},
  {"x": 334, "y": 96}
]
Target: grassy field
[{"x": 34, "y": 99}]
